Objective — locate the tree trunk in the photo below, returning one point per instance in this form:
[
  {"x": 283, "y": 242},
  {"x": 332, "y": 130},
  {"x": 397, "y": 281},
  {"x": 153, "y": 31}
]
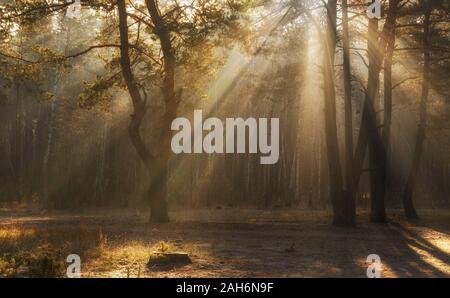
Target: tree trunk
[
  {"x": 159, "y": 183},
  {"x": 377, "y": 48},
  {"x": 408, "y": 205},
  {"x": 387, "y": 118},
  {"x": 369, "y": 132},
  {"x": 375, "y": 144},
  {"x": 350, "y": 188},
  {"x": 336, "y": 190},
  {"x": 158, "y": 204},
  {"x": 340, "y": 217}
]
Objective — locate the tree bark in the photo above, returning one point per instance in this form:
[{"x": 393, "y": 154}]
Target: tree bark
[
  {"x": 350, "y": 188},
  {"x": 379, "y": 51},
  {"x": 387, "y": 118},
  {"x": 377, "y": 152},
  {"x": 408, "y": 205},
  {"x": 336, "y": 190},
  {"x": 340, "y": 217},
  {"x": 158, "y": 205},
  {"x": 369, "y": 134},
  {"x": 158, "y": 189}
]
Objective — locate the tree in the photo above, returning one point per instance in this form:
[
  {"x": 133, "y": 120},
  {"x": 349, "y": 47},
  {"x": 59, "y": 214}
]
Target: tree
[
  {"x": 369, "y": 133},
  {"x": 341, "y": 216},
  {"x": 160, "y": 42},
  {"x": 350, "y": 186},
  {"x": 408, "y": 205}
]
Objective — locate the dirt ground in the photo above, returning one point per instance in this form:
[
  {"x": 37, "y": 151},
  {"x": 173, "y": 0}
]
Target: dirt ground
[{"x": 231, "y": 243}]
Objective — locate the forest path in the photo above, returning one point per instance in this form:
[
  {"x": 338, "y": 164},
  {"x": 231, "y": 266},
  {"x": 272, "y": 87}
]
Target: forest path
[{"x": 239, "y": 243}]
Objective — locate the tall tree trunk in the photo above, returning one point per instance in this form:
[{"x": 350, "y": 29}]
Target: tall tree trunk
[
  {"x": 375, "y": 145},
  {"x": 369, "y": 133},
  {"x": 159, "y": 184},
  {"x": 49, "y": 120},
  {"x": 387, "y": 119},
  {"x": 18, "y": 130},
  {"x": 336, "y": 190},
  {"x": 158, "y": 206},
  {"x": 408, "y": 205},
  {"x": 340, "y": 217},
  {"x": 350, "y": 188},
  {"x": 378, "y": 48}
]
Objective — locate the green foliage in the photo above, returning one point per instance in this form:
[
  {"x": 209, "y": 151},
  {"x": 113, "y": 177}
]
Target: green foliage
[
  {"x": 197, "y": 30},
  {"x": 96, "y": 93}
]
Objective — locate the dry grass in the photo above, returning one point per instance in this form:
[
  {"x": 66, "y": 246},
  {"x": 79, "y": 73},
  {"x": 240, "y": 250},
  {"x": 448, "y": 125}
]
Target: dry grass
[
  {"x": 41, "y": 251},
  {"x": 249, "y": 244}
]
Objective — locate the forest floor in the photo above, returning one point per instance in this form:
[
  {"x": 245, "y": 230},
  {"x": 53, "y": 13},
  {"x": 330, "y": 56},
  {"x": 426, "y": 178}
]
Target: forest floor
[{"x": 224, "y": 243}]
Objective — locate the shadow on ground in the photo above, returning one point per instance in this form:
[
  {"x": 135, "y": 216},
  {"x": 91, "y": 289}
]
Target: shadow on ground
[{"x": 248, "y": 243}]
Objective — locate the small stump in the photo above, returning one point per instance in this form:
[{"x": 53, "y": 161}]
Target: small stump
[{"x": 168, "y": 260}]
